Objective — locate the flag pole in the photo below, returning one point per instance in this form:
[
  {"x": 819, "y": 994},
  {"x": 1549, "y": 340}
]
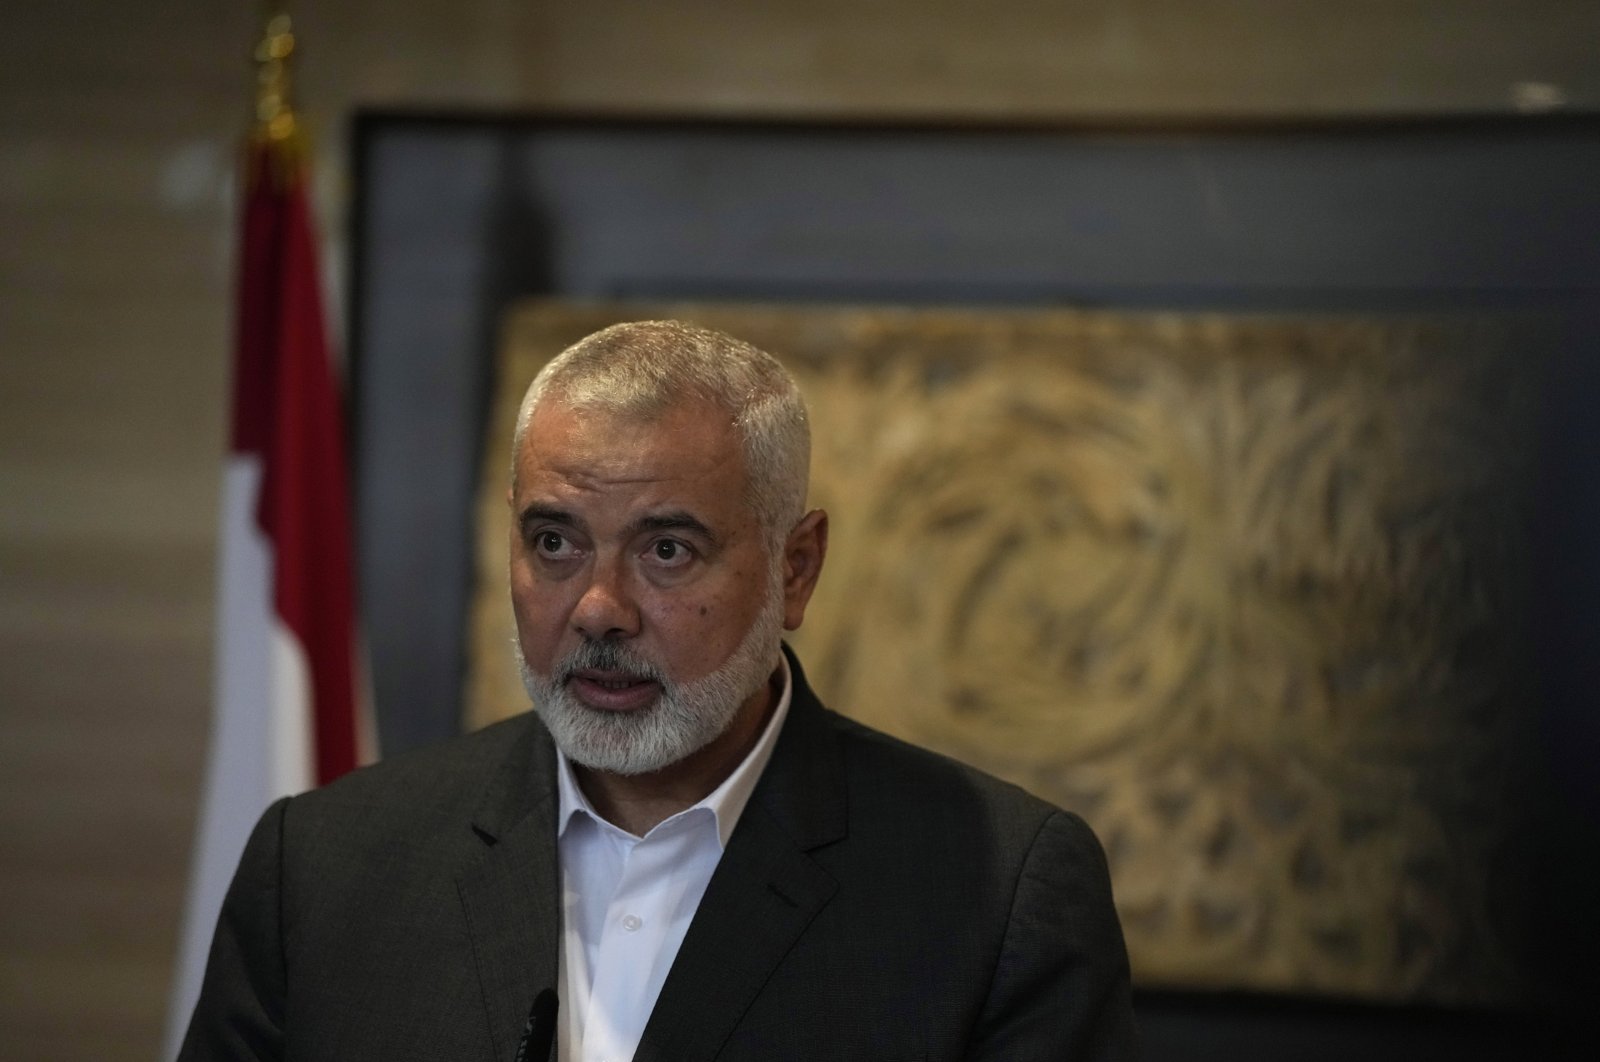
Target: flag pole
[
  {"x": 276, "y": 127},
  {"x": 274, "y": 109}
]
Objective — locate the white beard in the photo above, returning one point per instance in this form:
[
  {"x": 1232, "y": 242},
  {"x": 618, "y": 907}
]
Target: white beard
[{"x": 686, "y": 716}]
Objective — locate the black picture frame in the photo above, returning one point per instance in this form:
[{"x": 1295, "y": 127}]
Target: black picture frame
[{"x": 457, "y": 215}]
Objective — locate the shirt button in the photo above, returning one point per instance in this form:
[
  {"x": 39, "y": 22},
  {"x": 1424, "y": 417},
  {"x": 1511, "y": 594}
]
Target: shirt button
[{"x": 631, "y": 922}]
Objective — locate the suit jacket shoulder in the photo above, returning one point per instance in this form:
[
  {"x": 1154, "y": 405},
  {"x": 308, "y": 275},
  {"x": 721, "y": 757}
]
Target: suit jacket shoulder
[
  {"x": 880, "y": 901},
  {"x": 494, "y": 772},
  {"x": 408, "y": 910}
]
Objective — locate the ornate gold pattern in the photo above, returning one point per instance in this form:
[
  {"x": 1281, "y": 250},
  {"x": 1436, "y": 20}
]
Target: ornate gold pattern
[{"x": 1242, "y": 591}]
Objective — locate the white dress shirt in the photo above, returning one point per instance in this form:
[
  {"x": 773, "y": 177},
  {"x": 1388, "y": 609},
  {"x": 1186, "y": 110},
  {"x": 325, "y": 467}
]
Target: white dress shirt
[{"x": 627, "y": 901}]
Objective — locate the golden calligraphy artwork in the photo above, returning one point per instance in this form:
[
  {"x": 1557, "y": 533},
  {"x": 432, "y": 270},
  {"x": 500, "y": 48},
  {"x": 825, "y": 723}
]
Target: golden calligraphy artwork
[{"x": 1245, "y": 592}]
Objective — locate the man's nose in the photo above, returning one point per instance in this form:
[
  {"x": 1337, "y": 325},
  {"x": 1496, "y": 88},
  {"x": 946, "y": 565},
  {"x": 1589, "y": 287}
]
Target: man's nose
[{"x": 607, "y": 608}]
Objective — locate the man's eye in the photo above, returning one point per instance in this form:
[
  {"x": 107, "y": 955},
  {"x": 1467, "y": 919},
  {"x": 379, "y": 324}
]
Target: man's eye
[
  {"x": 669, "y": 552},
  {"x": 551, "y": 544}
]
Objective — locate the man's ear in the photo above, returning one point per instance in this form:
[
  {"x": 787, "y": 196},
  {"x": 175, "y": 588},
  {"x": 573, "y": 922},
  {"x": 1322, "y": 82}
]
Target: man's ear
[{"x": 803, "y": 553}]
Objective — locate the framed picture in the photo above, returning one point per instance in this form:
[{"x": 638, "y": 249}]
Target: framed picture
[{"x": 1189, "y": 470}]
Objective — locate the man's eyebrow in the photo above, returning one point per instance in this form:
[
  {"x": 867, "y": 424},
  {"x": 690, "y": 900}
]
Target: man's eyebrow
[
  {"x": 538, "y": 513},
  {"x": 675, "y": 521}
]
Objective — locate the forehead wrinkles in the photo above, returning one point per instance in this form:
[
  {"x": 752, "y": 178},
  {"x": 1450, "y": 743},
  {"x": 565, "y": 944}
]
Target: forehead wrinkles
[
  {"x": 591, "y": 451},
  {"x": 601, "y": 470}
]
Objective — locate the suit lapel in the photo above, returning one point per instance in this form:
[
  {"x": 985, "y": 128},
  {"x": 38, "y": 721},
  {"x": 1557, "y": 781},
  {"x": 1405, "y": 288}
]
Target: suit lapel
[
  {"x": 511, "y": 894},
  {"x": 766, "y": 890}
]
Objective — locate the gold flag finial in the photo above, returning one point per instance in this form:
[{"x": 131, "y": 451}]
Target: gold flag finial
[{"x": 275, "y": 120}]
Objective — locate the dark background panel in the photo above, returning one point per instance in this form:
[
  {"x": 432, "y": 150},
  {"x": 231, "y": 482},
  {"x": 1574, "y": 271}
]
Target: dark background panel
[{"x": 458, "y": 217}]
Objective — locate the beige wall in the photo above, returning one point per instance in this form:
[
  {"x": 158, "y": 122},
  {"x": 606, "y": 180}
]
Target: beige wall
[{"x": 117, "y": 125}]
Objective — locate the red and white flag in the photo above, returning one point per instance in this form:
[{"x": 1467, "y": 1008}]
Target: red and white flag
[{"x": 286, "y": 713}]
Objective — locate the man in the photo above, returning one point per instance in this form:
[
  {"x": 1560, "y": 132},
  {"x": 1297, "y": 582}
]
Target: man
[{"x": 680, "y": 843}]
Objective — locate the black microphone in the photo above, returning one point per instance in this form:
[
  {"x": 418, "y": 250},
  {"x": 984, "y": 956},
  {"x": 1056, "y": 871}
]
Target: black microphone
[{"x": 539, "y": 1035}]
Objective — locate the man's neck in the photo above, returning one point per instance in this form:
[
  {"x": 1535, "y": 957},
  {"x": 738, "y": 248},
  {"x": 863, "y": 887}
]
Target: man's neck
[{"x": 638, "y": 803}]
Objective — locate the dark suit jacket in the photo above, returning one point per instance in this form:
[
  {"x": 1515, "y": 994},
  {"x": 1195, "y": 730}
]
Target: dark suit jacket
[{"x": 875, "y": 902}]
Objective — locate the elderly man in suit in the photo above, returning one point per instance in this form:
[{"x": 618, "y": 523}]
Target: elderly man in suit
[{"x": 680, "y": 843}]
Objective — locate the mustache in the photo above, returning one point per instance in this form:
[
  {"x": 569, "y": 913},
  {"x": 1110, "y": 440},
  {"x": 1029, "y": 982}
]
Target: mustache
[{"x": 602, "y": 655}]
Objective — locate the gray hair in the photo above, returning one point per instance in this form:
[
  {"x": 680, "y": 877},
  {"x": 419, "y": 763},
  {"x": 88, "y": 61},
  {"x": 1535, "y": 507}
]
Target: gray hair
[{"x": 643, "y": 368}]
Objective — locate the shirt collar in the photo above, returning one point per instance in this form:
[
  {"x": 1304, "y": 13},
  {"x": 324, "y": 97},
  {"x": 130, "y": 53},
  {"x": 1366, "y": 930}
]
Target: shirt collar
[{"x": 725, "y": 803}]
